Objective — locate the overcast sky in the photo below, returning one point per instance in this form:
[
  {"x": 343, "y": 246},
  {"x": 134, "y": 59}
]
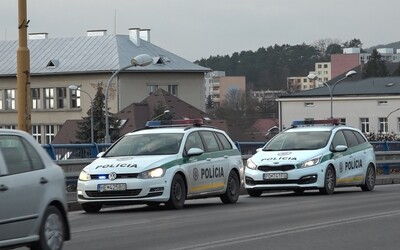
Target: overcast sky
[{"x": 195, "y": 29}]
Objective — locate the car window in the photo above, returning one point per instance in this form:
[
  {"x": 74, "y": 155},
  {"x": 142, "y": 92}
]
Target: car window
[
  {"x": 339, "y": 139},
  {"x": 146, "y": 144},
  {"x": 19, "y": 157},
  {"x": 350, "y": 138},
  {"x": 210, "y": 141},
  {"x": 224, "y": 141},
  {"x": 194, "y": 141},
  {"x": 360, "y": 138}
]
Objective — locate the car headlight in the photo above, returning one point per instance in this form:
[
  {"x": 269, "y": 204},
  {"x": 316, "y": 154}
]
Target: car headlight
[
  {"x": 152, "y": 173},
  {"x": 310, "y": 163},
  {"x": 83, "y": 176},
  {"x": 250, "y": 164}
]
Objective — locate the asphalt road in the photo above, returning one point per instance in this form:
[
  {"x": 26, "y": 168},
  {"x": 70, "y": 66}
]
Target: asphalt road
[{"x": 349, "y": 219}]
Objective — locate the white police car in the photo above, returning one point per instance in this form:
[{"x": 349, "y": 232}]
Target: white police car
[
  {"x": 166, "y": 162},
  {"x": 316, "y": 154}
]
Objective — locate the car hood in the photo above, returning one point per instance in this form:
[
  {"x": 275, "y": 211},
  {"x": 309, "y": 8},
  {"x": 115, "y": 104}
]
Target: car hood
[
  {"x": 284, "y": 157},
  {"x": 130, "y": 164}
]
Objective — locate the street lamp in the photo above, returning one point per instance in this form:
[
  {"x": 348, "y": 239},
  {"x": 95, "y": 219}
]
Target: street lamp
[
  {"x": 74, "y": 87},
  {"x": 140, "y": 60},
  {"x": 314, "y": 77},
  {"x": 165, "y": 112}
]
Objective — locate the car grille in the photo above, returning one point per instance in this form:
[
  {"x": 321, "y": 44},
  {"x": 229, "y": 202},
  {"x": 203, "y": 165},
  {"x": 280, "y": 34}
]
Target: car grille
[
  {"x": 132, "y": 192},
  {"x": 276, "y": 168},
  {"x": 119, "y": 176}
]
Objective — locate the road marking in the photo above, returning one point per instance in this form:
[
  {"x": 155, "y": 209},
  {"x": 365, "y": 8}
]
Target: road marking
[{"x": 282, "y": 232}]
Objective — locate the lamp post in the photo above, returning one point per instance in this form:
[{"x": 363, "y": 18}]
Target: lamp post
[
  {"x": 165, "y": 112},
  {"x": 74, "y": 87},
  {"x": 140, "y": 60},
  {"x": 315, "y": 77}
]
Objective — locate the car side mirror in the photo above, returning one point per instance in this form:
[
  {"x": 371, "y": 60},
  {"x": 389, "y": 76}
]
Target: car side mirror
[
  {"x": 194, "y": 152},
  {"x": 340, "y": 148}
]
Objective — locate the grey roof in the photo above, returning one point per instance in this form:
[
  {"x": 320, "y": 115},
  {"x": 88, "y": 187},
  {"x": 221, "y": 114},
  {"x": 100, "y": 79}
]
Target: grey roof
[
  {"x": 365, "y": 87},
  {"x": 90, "y": 54}
]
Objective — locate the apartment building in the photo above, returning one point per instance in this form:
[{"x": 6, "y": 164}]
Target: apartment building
[
  {"x": 218, "y": 85},
  {"x": 88, "y": 62}
]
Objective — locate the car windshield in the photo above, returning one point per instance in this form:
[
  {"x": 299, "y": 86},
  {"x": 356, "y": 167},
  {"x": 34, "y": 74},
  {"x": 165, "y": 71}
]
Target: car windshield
[
  {"x": 146, "y": 144},
  {"x": 298, "y": 141}
]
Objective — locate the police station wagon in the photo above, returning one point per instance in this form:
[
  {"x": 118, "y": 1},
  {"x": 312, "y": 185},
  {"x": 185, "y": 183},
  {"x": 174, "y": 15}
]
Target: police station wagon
[
  {"x": 166, "y": 162},
  {"x": 312, "y": 155}
]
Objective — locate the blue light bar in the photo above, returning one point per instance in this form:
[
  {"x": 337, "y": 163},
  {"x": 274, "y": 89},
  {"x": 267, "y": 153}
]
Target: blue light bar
[
  {"x": 187, "y": 122},
  {"x": 315, "y": 122}
]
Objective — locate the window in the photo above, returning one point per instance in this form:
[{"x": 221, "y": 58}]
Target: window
[
  {"x": 325, "y": 66},
  {"x": 10, "y": 99},
  {"x": 224, "y": 141},
  {"x": 173, "y": 89},
  {"x": 50, "y": 132},
  {"x": 75, "y": 98},
  {"x": 342, "y": 121},
  {"x": 1, "y": 99},
  {"x": 308, "y": 104},
  {"x": 36, "y": 101},
  {"x": 338, "y": 139},
  {"x": 61, "y": 98},
  {"x": 210, "y": 141},
  {"x": 319, "y": 66},
  {"x": 382, "y": 103},
  {"x": 19, "y": 155},
  {"x": 153, "y": 88},
  {"x": 10, "y": 126},
  {"x": 364, "y": 125},
  {"x": 350, "y": 138},
  {"x": 194, "y": 141},
  {"x": 383, "y": 125},
  {"x": 48, "y": 98},
  {"x": 37, "y": 133}
]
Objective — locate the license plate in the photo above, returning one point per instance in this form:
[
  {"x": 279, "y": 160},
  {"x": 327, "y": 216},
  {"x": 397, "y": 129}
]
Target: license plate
[
  {"x": 275, "y": 176},
  {"x": 111, "y": 187}
]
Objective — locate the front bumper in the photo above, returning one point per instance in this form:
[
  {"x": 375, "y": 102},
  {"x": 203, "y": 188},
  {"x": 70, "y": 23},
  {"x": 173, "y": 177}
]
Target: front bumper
[
  {"x": 306, "y": 178},
  {"x": 137, "y": 191}
]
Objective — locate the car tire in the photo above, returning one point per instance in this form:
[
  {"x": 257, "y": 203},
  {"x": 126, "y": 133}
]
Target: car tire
[
  {"x": 254, "y": 192},
  {"x": 370, "y": 179},
  {"x": 232, "y": 192},
  {"x": 329, "y": 181},
  {"x": 52, "y": 231},
  {"x": 177, "y": 193},
  {"x": 91, "y": 207}
]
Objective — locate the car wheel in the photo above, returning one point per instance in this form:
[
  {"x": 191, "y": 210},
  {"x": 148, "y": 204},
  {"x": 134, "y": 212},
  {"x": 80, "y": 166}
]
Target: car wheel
[
  {"x": 254, "y": 192},
  {"x": 178, "y": 193},
  {"x": 370, "y": 178},
  {"x": 329, "y": 182},
  {"x": 231, "y": 194},
  {"x": 52, "y": 232},
  {"x": 91, "y": 207}
]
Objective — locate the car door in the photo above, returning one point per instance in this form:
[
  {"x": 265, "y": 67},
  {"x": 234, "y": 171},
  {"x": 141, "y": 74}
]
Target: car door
[
  {"x": 196, "y": 166},
  {"x": 358, "y": 163},
  {"x": 20, "y": 189},
  {"x": 341, "y": 159},
  {"x": 217, "y": 161}
]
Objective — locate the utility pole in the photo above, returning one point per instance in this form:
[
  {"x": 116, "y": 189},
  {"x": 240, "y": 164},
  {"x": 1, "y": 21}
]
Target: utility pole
[{"x": 23, "y": 70}]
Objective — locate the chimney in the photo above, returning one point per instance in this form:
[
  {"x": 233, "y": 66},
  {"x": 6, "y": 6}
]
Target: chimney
[
  {"x": 134, "y": 36},
  {"x": 145, "y": 34},
  {"x": 96, "y": 32},
  {"x": 38, "y": 36}
]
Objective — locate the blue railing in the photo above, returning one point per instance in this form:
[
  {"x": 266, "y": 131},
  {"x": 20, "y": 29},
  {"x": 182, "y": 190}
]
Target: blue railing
[{"x": 89, "y": 150}]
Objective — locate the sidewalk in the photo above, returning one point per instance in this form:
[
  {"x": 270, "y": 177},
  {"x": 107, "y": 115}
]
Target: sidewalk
[{"x": 73, "y": 205}]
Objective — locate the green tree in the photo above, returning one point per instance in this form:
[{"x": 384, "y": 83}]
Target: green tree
[
  {"x": 160, "y": 114},
  {"x": 209, "y": 103},
  {"x": 397, "y": 71},
  {"x": 375, "y": 67},
  {"x": 84, "y": 131}
]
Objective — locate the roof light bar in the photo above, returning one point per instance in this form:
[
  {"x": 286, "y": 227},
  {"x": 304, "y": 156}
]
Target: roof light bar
[
  {"x": 315, "y": 122},
  {"x": 187, "y": 122}
]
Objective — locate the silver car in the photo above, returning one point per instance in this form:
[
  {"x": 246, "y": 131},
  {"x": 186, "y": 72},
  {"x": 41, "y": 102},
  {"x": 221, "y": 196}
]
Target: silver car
[{"x": 33, "y": 203}]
